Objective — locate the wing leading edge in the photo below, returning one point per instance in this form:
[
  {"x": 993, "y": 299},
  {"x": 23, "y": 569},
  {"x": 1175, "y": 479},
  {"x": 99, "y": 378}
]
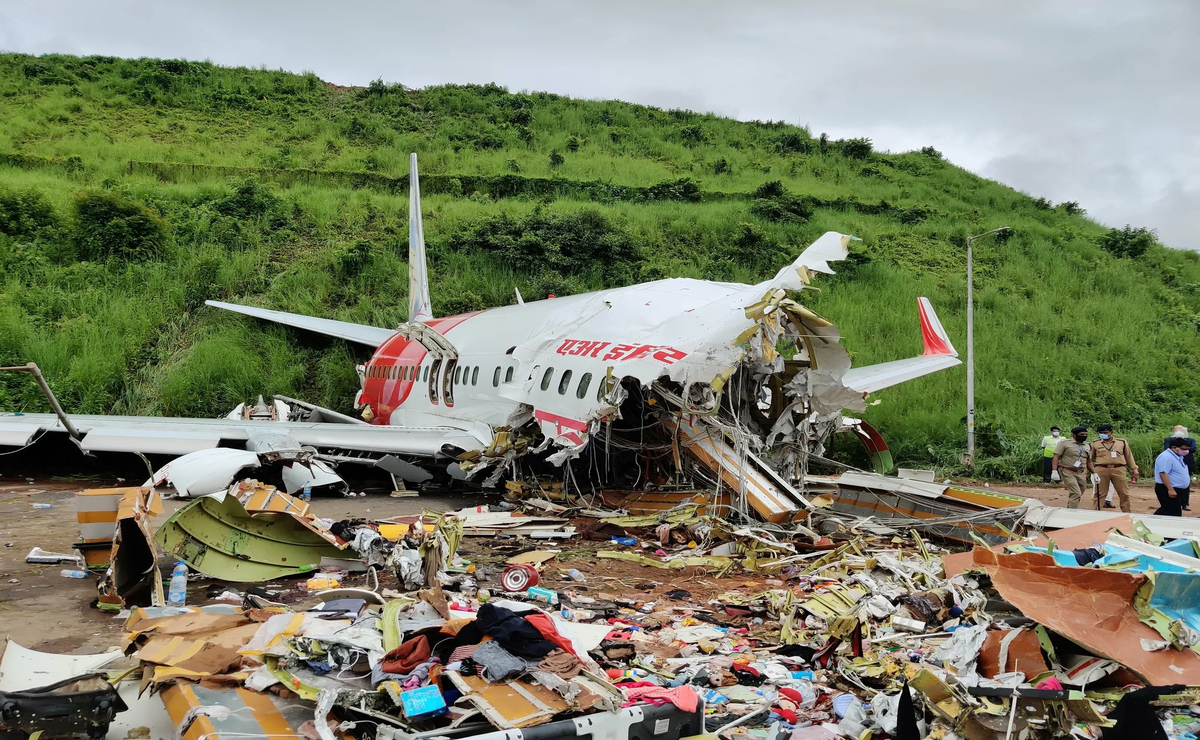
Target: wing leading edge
[
  {"x": 939, "y": 355},
  {"x": 372, "y": 336}
]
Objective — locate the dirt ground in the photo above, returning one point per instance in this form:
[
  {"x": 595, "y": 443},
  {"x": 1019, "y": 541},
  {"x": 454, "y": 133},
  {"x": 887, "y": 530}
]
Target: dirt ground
[
  {"x": 1141, "y": 496},
  {"x": 41, "y": 609}
]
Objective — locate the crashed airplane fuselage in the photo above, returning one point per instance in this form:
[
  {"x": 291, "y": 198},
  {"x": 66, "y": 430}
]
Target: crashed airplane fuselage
[{"x": 479, "y": 386}]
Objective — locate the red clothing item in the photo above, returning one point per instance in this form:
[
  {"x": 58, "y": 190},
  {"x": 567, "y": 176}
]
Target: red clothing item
[
  {"x": 545, "y": 625},
  {"x": 684, "y": 697}
]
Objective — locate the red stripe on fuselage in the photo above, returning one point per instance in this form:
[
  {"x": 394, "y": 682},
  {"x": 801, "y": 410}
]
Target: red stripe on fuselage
[{"x": 383, "y": 394}]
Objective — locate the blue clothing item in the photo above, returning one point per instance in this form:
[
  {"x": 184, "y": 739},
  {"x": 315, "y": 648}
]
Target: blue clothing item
[{"x": 1171, "y": 464}]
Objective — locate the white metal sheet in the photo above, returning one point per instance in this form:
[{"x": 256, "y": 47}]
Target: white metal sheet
[
  {"x": 149, "y": 441},
  {"x": 17, "y": 434}
]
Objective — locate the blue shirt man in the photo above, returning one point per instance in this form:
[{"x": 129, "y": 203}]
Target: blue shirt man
[
  {"x": 1169, "y": 462},
  {"x": 1171, "y": 478}
]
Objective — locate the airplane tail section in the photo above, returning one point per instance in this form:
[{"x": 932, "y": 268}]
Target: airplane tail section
[
  {"x": 419, "y": 307},
  {"x": 939, "y": 354}
]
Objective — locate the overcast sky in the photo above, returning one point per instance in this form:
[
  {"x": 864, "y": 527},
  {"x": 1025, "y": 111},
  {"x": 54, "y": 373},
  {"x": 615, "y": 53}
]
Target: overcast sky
[{"x": 1095, "y": 101}]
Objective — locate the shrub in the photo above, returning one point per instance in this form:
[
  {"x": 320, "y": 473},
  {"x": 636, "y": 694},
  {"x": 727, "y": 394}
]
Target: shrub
[
  {"x": 352, "y": 260},
  {"x": 693, "y": 134},
  {"x": 25, "y": 213},
  {"x": 793, "y": 143},
  {"x": 772, "y": 202},
  {"x": 573, "y": 144},
  {"x": 722, "y": 167},
  {"x": 1128, "y": 242},
  {"x": 1071, "y": 208},
  {"x": 556, "y": 159},
  {"x": 855, "y": 148},
  {"x": 110, "y": 225},
  {"x": 930, "y": 152},
  {"x": 1043, "y": 204},
  {"x": 250, "y": 199},
  {"x": 684, "y": 189}
]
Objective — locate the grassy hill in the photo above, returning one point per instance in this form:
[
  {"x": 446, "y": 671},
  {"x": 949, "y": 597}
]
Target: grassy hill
[{"x": 132, "y": 190}]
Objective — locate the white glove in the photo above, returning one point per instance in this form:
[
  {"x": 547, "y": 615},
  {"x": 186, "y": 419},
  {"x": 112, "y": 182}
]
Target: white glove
[
  {"x": 1054, "y": 476},
  {"x": 1095, "y": 479}
]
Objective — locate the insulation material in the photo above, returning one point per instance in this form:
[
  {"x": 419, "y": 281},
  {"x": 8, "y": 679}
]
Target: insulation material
[{"x": 1094, "y": 608}]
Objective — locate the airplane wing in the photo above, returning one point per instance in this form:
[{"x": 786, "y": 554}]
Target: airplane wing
[
  {"x": 939, "y": 355},
  {"x": 369, "y": 335},
  {"x": 152, "y": 435}
]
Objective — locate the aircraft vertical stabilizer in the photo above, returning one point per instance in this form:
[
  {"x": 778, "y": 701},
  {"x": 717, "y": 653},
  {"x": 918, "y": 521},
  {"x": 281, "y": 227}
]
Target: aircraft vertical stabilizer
[{"x": 419, "y": 307}]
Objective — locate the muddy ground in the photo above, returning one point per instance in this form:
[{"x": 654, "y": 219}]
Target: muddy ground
[{"x": 41, "y": 609}]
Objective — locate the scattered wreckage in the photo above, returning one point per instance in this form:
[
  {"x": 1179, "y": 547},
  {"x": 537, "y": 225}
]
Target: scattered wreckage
[{"x": 655, "y": 619}]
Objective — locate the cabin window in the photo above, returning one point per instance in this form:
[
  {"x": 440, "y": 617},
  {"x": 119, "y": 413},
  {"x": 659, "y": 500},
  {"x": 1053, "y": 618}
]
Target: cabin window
[
  {"x": 475, "y": 375},
  {"x": 508, "y": 375},
  {"x": 496, "y": 378},
  {"x": 457, "y": 374},
  {"x": 564, "y": 383},
  {"x": 584, "y": 382},
  {"x": 546, "y": 378},
  {"x": 425, "y": 373}
]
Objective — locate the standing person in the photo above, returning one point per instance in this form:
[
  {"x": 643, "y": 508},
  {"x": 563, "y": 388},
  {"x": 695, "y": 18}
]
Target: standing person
[
  {"x": 1072, "y": 462},
  {"x": 1181, "y": 432},
  {"x": 1171, "y": 479},
  {"x": 1111, "y": 457},
  {"x": 1048, "y": 443}
]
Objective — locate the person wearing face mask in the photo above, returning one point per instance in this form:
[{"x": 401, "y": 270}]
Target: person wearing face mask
[
  {"x": 1048, "y": 443},
  {"x": 1171, "y": 478},
  {"x": 1181, "y": 432},
  {"x": 1072, "y": 463},
  {"x": 1111, "y": 457}
]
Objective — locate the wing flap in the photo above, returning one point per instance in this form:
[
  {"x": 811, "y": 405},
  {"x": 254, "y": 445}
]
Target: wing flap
[{"x": 372, "y": 336}]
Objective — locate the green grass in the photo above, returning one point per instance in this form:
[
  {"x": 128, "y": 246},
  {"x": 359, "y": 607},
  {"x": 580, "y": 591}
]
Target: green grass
[{"x": 315, "y": 221}]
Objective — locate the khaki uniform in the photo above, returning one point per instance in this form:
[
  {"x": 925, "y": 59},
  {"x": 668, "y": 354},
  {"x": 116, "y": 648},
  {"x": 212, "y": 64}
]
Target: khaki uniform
[
  {"x": 1112, "y": 458},
  {"x": 1073, "y": 459}
]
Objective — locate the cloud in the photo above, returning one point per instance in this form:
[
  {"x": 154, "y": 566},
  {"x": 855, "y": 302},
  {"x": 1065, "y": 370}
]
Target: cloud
[{"x": 1095, "y": 101}]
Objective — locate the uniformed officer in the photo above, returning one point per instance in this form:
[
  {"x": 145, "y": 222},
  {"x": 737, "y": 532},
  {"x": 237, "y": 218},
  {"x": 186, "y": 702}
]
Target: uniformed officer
[
  {"x": 1111, "y": 457},
  {"x": 1072, "y": 462}
]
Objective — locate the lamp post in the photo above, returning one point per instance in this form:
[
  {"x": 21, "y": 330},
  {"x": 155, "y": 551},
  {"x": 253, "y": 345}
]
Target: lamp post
[{"x": 969, "y": 457}]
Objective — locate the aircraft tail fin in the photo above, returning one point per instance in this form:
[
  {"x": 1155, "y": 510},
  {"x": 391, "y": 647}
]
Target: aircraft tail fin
[{"x": 419, "y": 307}]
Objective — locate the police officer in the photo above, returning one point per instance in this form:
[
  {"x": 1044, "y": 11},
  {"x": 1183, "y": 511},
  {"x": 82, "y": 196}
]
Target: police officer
[
  {"x": 1111, "y": 457},
  {"x": 1072, "y": 463}
]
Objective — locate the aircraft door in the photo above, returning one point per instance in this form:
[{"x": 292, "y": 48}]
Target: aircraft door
[
  {"x": 433, "y": 381},
  {"x": 448, "y": 381}
]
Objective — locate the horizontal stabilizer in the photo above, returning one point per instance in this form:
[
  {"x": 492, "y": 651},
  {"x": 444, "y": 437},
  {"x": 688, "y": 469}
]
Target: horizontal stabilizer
[
  {"x": 371, "y": 336},
  {"x": 939, "y": 355}
]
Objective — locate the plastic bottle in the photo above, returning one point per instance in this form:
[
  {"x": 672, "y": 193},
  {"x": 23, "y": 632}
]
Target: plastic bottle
[
  {"x": 576, "y": 575},
  {"x": 43, "y": 506},
  {"x": 177, "y": 593},
  {"x": 68, "y": 573},
  {"x": 307, "y": 494}
]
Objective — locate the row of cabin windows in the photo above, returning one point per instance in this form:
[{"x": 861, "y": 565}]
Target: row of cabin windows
[{"x": 470, "y": 375}]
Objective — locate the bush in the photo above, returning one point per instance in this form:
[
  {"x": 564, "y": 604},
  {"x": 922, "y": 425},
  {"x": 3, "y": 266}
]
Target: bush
[
  {"x": 564, "y": 243},
  {"x": 1071, "y": 208},
  {"x": 693, "y": 134},
  {"x": 110, "y": 225},
  {"x": 722, "y": 167},
  {"x": 930, "y": 152},
  {"x": 250, "y": 199},
  {"x": 25, "y": 213},
  {"x": 684, "y": 190},
  {"x": 793, "y": 143},
  {"x": 855, "y": 148},
  {"x": 352, "y": 260},
  {"x": 556, "y": 159},
  {"x": 573, "y": 144},
  {"x": 773, "y": 203},
  {"x": 1128, "y": 242}
]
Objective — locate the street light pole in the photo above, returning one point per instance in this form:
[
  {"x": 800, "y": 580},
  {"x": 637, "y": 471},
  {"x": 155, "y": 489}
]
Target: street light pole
[{"x": 969, "y": 458}]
